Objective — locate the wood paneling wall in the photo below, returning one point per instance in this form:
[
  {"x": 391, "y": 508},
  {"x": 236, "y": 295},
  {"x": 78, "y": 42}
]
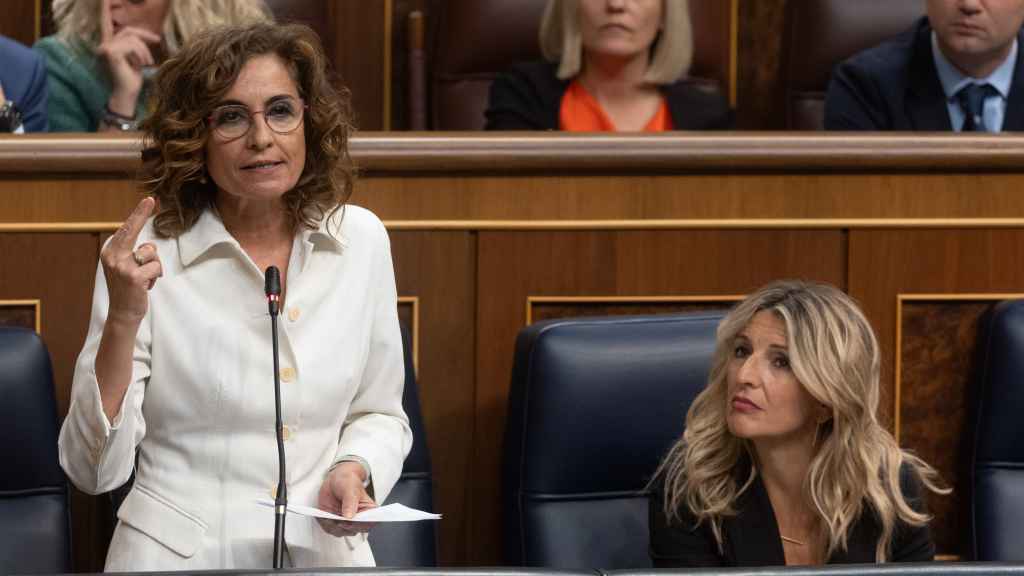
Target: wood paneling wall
[{"x": 926, "y": 232}]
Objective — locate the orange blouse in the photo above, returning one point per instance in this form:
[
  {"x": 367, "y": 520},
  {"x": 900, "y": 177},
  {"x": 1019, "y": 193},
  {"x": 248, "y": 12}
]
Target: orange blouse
[{"x": 580, "y": 112}]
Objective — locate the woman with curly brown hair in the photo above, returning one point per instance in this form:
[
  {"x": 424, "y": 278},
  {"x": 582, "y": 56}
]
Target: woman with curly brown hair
[
  {"x": 783, "y": 460},
  {"x": 246, "y": 154}
]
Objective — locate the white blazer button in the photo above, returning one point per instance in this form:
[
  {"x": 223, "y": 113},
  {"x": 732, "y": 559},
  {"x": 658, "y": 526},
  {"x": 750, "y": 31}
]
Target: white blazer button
[
  {"x": 287, "y": 374},
  {"x": 293, "y": 314}
]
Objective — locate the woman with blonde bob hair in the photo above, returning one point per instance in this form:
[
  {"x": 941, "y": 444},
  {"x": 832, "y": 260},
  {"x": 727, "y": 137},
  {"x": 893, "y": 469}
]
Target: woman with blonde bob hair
[
  {"x": 609, "y": 65},
  {"x": 104, "y": 51},
  {"x": 783, "y": 460}
]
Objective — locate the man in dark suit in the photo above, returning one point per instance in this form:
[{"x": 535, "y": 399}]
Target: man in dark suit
[
  {"x": 22, "y": 89},
  {"x": 957, "y": 69}
]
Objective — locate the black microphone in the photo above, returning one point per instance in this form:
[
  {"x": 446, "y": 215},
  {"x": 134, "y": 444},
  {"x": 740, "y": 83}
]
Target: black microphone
[{"x": 272, "y": 287}]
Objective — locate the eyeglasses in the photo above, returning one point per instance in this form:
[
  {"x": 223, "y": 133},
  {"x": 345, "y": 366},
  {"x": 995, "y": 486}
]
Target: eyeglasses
[{"x": 232, "y": 121}]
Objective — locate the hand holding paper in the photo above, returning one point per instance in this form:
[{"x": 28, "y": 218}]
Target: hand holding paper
[{"x": 389, "y": 513}]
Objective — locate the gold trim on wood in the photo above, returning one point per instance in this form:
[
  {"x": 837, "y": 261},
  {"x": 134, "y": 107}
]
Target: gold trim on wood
[
  {"x": 707, "y": 224},
  {"x": 37, "y": 304},
  {"x": 632, "y": 224},
  {"x": 946, "y": 297},
  {"x": 389, "y": 14},
  {"x": 57, "y": 227},
  {"x": 531, "y": 300},
  {"x": 414, "y": 329}
]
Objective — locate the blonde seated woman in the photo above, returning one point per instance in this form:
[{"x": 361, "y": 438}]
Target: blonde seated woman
[
  {"x": 783, "y": 460},
  {"x": 610, "y": 65}
]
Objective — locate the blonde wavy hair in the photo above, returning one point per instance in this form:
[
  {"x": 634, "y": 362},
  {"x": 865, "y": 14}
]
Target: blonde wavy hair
[
  {"x": 856, "y": 468},
  {"x": 671, "y": 54},
  {"x": 79, "y": 20}
]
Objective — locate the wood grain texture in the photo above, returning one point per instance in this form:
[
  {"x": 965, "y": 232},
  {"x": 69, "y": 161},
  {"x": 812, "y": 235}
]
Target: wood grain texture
[
  {"x": 453, "y": 153},
  {"x": 400, "y": 46},
  {"x": 514, "y": 266},
  {"x": 18, "y": 315},
  {"x": 936, "y": 370},
  {"x": 19, "y": 21},
  {"x": 759, "y": 93},
  {"x": 440, "y": 269},
  {"x": 357, "y": 49},
  {"x": 886, "y": 263}
]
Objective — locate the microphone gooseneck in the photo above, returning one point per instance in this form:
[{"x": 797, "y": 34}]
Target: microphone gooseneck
[{"x": 272, "y": 287}]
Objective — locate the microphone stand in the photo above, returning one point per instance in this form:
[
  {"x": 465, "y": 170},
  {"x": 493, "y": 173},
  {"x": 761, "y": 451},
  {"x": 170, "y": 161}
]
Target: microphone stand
[{"x": 272, "y": 287}]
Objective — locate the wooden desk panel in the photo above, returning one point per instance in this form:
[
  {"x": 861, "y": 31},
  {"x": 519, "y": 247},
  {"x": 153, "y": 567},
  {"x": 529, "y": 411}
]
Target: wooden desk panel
[{"x": 480, "y": 225}]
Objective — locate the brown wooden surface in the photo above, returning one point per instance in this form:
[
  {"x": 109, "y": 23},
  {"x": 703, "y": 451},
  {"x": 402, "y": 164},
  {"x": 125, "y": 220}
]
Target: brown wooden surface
[
  {"x": 961, "y": 264},
  {"x": 407, "y": 154},
  {"x": 936, "y": 355},
  {"x": 542, "y": 216},
  {"x": 19, "y": 20},
  {"x": 759, "y": 103},
  {"x": 440, "y": 269}
]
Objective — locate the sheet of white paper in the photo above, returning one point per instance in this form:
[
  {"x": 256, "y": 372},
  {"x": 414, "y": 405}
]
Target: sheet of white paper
[{"x": 389, "y": 513}]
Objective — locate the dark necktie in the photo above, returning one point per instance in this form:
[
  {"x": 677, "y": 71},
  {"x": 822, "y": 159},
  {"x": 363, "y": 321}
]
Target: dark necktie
[{"x": 972, "y": 101}]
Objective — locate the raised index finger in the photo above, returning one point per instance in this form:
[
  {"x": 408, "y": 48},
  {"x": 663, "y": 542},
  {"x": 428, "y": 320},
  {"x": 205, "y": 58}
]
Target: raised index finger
[
  {"x": 125, "y": 237},
  {"x": 106, "y": 22}
]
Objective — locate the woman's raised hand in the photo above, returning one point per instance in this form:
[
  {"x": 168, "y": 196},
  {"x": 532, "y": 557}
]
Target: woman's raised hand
[{"x": 130, "y": 273}]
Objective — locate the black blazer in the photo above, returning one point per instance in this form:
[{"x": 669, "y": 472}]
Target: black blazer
[
  {"x": 529, "y": 97},
  {"x": 752, "y": 536},
  {"x": 895, "y": 86}
]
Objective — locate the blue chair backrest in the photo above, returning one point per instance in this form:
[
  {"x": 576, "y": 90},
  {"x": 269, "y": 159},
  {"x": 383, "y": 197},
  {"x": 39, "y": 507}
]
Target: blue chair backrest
[
  {"x": 35, "y": 530},
  {"x": 595, "y": 404},
  {"x": 997, "y": 507}
]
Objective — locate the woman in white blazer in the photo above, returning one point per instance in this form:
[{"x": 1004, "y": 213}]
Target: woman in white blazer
[{"x": 246, "y": 166}]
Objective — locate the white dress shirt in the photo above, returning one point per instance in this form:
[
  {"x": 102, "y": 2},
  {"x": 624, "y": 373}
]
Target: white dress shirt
[{"x": 200, "y": 408}]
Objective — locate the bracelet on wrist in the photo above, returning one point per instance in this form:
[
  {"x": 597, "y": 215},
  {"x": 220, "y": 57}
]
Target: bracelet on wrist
[{"x": 115, "y": 120}]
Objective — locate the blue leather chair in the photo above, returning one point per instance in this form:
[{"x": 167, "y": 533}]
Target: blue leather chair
[
  {"x": 413, "y": 543},
  {"x": 997, "y": 507},
  {"x": 595, "y": 404},
  {"x": 35, "y": 528}
]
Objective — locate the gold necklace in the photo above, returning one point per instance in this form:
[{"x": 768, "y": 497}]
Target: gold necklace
[{"x": 792, "y": 540}]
